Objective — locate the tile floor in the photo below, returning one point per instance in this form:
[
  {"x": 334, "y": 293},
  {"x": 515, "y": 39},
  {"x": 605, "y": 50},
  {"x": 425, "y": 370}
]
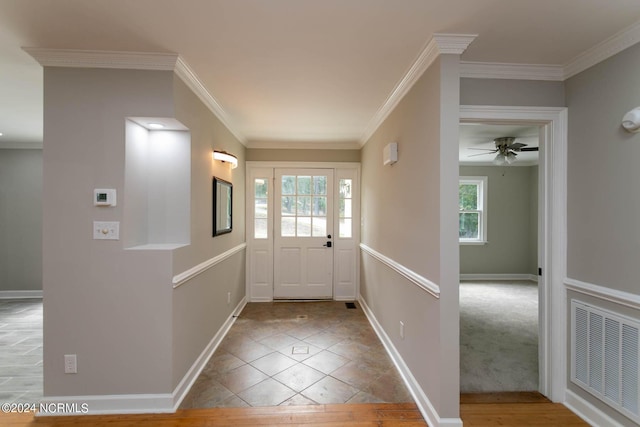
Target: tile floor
[
  {"x": 280, "y": 353},
  {"x": 298, "y": 353},
  {"x": 20, "y": 350}
]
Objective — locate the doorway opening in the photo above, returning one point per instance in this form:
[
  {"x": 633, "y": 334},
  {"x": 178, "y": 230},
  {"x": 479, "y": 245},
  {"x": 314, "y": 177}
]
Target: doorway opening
[
  {"x": 499, "y": 234},
  {"x": 552, "y": 162}
]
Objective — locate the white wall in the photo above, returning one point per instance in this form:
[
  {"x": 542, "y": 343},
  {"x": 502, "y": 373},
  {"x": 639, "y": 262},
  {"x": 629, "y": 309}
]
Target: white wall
[{"x": 20, "y": 220}]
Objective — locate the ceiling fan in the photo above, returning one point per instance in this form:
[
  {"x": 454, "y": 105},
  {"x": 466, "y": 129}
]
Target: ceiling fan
[{"x": 506, "y": 150}]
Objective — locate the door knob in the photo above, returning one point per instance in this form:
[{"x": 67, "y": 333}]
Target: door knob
[{"x": 328, "y": 244}]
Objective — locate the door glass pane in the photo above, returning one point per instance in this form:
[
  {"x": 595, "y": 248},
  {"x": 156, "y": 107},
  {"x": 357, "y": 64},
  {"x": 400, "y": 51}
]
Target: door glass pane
[
  {"x": 319, "y": 226},
  {"x": 469, "y": 225},
  {"x": 304, "y": 226},
  {"x": 345, "y": 188},
  {"x": 260, "y": 208},
  {"x": 304, "y": 185},
  {"x": 260, "y": 228},
  {"x": 288, "y": 185},
  {"x": 320, "y": 185},
  {"x": 345, "y": 228},
  {"x": 319, "y": 206},
  {"x": 304, "y": 205},
  {"x": 288, "y": 226},
  {"x": 261, "y": 187},
  {"x": 304, "y": 200},
  {"x": 288, "y": 206},
  {"x": 345, "y": 208}
]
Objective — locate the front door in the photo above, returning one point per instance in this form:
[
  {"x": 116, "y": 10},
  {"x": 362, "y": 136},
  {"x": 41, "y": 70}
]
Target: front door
[{"x": 303, "y": 229}]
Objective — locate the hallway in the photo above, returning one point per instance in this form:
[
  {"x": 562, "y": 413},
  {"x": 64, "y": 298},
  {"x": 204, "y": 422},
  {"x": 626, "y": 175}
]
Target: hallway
[{"x": 298, "y": 353}]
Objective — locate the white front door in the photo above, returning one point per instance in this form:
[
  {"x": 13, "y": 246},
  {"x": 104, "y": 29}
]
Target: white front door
[{"x": 303, "y": 231}]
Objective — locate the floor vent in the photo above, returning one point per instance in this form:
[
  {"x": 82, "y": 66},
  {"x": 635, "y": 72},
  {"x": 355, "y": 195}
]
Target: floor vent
[
  {"x": 604, "y": 356},
  {"x": 350, "y": 304}
]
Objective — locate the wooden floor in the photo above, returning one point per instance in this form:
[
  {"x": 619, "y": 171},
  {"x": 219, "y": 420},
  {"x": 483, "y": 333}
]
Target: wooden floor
[{"x": 475, "y": 413}]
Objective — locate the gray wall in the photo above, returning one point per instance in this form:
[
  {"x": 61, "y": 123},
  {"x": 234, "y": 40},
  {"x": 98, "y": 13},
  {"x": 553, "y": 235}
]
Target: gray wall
[
  {"x": 603, "y": 198},
  {"x": 20, "y": 220},
  {"x": 308, "y": 155},
  {"x": 113, "y": 305},
  {"x": 512, "y": 222},
  {"x": 98, "y": 298},
  {"x": 408, "y": 215},
  {"x": 511, "y": 92},
  {"x": 200, "y": 306},
  {"x": 603, "y": 206}
]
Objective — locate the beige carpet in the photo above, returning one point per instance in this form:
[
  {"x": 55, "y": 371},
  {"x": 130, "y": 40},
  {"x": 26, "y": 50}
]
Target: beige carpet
[{"x": 498, "y": 336}]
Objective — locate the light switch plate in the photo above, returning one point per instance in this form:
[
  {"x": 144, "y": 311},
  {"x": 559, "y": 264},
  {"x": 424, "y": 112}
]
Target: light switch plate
[{"x": 106, "y": 230}]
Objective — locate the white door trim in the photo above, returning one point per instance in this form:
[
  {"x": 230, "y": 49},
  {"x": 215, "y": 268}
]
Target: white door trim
[
  {"x": 553, "y": 338},
  {"x": 259, "y": 262}
]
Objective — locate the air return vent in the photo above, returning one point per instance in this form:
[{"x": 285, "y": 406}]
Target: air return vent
[{"x": 605, "y": 356}]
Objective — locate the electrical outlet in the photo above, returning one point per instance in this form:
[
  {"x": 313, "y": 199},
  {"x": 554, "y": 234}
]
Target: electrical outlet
[
  {"x": 70, "y": 364},
  {"x": 228, "y": 297},
  {"x": 402, "y": 329}
]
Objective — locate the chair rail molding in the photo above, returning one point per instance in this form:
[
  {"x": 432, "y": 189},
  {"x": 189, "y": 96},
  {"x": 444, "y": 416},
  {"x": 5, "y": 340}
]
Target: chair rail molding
[
  {"x": 185, "y": 276},
  {"x": 415, "y": 278}
]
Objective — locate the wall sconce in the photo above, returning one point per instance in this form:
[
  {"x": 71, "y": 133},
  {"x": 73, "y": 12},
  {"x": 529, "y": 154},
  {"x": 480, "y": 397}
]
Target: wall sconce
[
  {"x": 631, "y": 120},
  {"x": 225, "y": 157}
]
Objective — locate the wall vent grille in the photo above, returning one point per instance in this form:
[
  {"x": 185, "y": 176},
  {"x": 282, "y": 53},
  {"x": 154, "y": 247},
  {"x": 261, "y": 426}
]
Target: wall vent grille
[{"x": 604, "y": 357}]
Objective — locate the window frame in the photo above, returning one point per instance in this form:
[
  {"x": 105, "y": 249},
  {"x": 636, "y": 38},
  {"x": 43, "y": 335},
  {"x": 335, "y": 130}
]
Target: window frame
[{"x": 482, "y": 209}]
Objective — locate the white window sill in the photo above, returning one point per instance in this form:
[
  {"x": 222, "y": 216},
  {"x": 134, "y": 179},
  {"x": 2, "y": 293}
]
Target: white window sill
[{"x": 473, "y": 242}]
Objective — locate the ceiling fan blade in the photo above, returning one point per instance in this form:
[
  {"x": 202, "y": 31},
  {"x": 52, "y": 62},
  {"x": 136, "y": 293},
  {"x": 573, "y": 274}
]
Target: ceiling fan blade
[
  {"x": 530, "y": 149},
  {"x": 517, "y": 146},
  {"x": 479, "y": 154},
  {"x": 494, "y": 150}
]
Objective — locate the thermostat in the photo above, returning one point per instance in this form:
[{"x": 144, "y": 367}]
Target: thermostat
[{"x": 104, "y": 197}]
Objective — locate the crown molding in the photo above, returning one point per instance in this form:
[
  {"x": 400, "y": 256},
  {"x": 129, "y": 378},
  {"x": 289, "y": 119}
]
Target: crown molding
[
  {"x": 73, "y": 58},
  {"x": 102, "y": 59},
  {"x": 496, "y": 70},
  {"x": 454, "y": 44},
  {"x": 603, "y": 50},
  {"x": 189, "y": 77},
  {"x": 596, "y": 54},
  {"x": 438, "y": 45}
]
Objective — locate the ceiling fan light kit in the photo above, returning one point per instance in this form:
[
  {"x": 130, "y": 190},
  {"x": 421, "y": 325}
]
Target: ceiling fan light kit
[{"x": 506, "y": 148}]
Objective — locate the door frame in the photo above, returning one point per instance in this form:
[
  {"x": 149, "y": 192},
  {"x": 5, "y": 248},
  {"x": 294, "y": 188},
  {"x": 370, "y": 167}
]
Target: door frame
[
  {"x": 260, "y": 254},
  {"x": 553, "y": 220}
]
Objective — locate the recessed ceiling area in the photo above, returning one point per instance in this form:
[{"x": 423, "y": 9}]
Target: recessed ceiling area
[{"x": 477, "y": 143}]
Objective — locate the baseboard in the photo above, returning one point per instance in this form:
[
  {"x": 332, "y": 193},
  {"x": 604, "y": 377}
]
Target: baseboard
[
  {"x": 346, "y": 299},
  {"x": 424, "y": 404},
  {"x": 160, "y": 403},
  {"x": 499, "y": 277},
  {"x": 20, "y": 294},
  {"x": 587, "y": 411}
]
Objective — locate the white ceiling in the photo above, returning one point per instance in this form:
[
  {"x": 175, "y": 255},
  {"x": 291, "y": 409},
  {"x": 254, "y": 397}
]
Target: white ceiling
[{"x": 291, "y": 70}]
